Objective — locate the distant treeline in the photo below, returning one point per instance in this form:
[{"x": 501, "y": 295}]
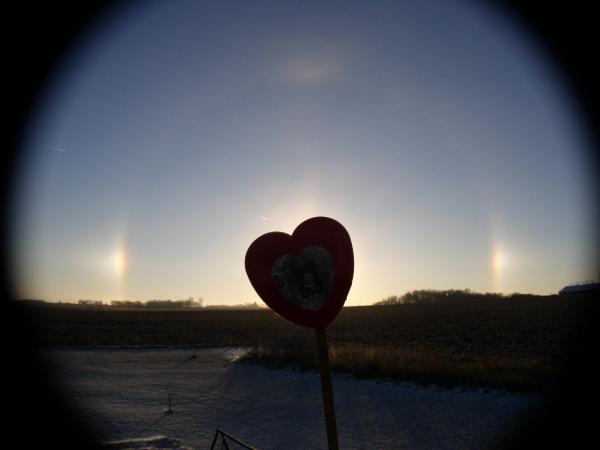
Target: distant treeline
[
  {"x": 176, "y": 304},
  {"x": 242, "y": 306},
  {"x": 450, "y": 295},
  {"x": 143, "y": 305},
  {"x": 155, "y": 304}
]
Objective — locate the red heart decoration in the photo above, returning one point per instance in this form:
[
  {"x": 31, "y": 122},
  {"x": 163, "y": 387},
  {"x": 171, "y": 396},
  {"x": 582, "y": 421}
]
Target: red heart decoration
[{"x": 319, "y": 238}]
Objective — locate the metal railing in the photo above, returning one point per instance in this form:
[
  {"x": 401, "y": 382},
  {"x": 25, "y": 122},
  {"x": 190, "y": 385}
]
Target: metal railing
[{"x": 224, "y": 438}]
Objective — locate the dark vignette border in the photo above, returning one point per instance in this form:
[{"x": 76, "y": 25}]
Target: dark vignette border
[{"x": 36, "y": 38}]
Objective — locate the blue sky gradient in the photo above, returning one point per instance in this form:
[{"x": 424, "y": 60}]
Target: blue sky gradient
[{"x": 175, "y": 133}]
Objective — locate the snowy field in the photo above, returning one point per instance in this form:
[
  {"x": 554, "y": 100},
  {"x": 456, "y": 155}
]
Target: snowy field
[{"x": 123, "y": 394}]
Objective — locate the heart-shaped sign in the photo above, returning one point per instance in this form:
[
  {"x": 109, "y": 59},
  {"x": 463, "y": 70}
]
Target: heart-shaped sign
[{"x": 304, "y": 277}]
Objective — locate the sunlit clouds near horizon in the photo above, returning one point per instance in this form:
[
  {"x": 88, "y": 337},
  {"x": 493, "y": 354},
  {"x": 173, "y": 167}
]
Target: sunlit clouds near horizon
[{"x": 175, "y": 133}]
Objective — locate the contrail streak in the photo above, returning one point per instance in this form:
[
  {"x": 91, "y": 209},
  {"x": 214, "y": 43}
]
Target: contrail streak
[{"x": 51, "y": 147}]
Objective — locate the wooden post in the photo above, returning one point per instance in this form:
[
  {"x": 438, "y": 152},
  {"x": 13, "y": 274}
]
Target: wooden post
[{"x": 326, "y": 389}]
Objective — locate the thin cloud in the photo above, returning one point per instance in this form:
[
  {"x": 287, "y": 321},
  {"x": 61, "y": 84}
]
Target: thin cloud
[{"x": 264, "y": 218}]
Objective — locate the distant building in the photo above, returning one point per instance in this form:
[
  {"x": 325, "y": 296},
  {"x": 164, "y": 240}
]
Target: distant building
[{"x": 580, "y": 288}]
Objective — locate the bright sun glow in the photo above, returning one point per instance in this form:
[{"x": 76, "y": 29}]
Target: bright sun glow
[
  {"x": 118, "y": 261},
  {"x": 499, "y": 262}
]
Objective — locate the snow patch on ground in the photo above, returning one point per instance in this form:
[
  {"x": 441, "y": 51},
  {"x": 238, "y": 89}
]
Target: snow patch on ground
[
  {"x": 152, "y": 442},
  {"x": 123, "y": 395}
]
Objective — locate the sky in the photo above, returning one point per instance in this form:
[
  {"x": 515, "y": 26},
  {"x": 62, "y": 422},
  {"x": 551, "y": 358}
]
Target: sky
[{"x": 172, "y": 134}]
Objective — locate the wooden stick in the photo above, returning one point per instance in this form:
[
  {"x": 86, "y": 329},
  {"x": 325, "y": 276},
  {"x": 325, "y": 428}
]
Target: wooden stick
[{"x": 326, "y": 389}]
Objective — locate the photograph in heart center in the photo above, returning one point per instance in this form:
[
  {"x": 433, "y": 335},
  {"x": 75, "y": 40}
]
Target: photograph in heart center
[{"x": 305, "y": 280}]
